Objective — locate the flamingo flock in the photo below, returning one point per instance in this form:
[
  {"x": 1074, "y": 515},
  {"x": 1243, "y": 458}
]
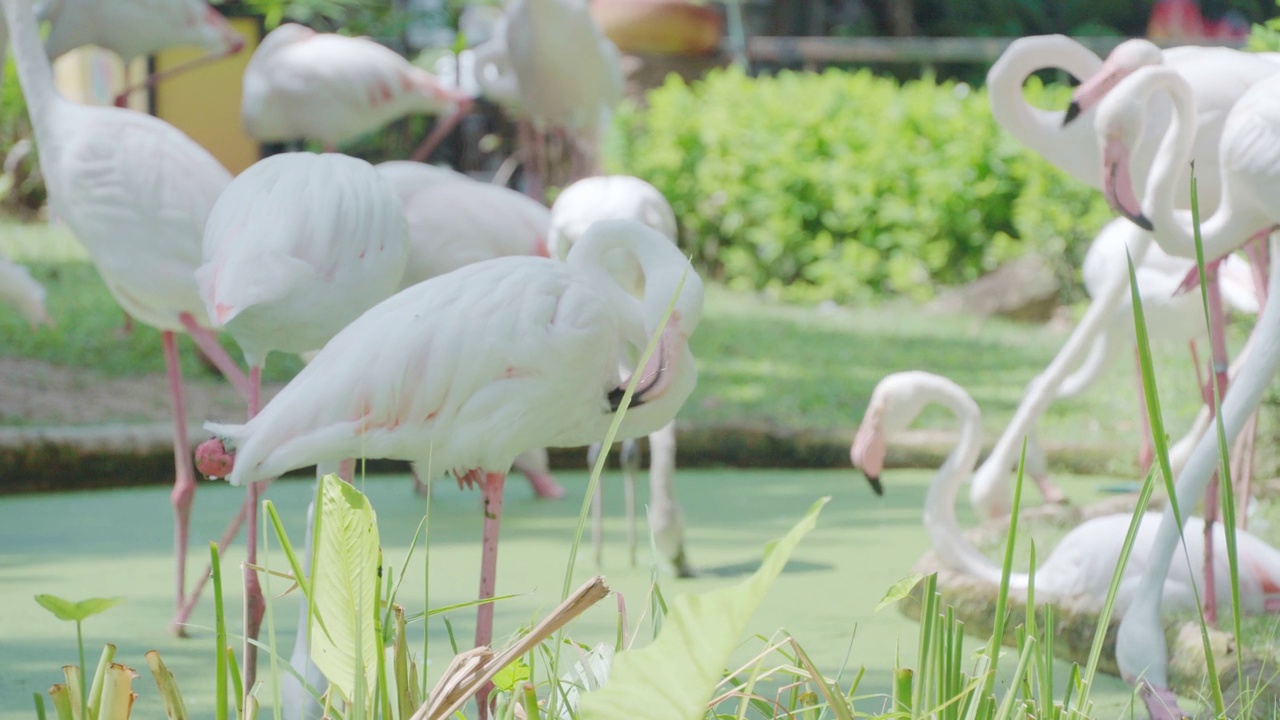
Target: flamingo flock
[{"x": 466, "y": 327}]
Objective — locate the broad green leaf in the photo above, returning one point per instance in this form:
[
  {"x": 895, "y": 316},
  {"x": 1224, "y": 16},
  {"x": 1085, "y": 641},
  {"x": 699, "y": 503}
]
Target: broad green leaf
[
  {"x": 511, "y": 675},
  {"x": 344, "y": 581},
  {"x": 900, "y": 590},
  {"x": 673, "y": 678},
  {"x": 76, "y": 611}
]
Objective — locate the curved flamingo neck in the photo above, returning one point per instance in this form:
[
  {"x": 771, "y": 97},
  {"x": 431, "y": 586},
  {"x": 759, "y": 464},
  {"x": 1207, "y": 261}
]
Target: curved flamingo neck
[
  {"x": 940, "y": 500},
  {"x": 1227, "y": 228},
  {"x": 1071, "y": 149},
  {"x": 34, "y": 71}
]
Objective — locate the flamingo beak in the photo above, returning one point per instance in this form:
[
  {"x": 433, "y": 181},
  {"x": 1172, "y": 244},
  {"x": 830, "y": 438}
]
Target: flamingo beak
[
  {"x": 1117, "y": 184},
  {"x": 1090, "y": 92},
  {"x": 876, "y": 487},
  {"x": 1073, "y": 112}
]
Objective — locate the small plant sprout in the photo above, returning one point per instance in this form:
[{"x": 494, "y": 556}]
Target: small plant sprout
[{"x": 77, "y": 612}]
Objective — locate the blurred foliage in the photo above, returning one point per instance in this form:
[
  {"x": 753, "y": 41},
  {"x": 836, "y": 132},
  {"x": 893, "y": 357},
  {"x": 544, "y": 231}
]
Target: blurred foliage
[
  {"x": 377, "y": 18},
  {"x": 846, "y": 185},
  {"x": 1266, "y": 36},
  {"x": 21, "y": 184}
]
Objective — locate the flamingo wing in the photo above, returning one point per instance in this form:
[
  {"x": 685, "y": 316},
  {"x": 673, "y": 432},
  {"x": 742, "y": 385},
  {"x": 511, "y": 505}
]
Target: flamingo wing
[{"x": 143, "y": 173}]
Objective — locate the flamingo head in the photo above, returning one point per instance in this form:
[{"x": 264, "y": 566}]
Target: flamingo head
[
  {"x": 1127, "y": 57},
  {"x": 1119, "y": 126}
]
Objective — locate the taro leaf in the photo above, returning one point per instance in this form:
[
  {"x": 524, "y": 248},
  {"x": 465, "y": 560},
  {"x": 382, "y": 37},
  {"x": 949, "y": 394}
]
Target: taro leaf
[
  {"x": 900, "y": 590},
  {"x": 76, "y": 611},
  {"x": 673, "y": 678},
  {"x": 344, "y": 583}
]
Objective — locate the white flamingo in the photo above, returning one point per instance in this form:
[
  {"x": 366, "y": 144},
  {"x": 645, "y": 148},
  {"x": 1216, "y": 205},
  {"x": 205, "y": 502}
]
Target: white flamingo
[
  {"x": 455, "y": 221},
  {"x": 565, "y": 78},
  {"x": 470, "y": 369},
  {"x": 1084, "y": 561},
  {"x": 305, "y": 85},
  {"x": 578, "y": 207},
  {"x": 135, "y": 192},
  {"x": 1251, "y": 187},
  {"x": 1078, "y": 152}
]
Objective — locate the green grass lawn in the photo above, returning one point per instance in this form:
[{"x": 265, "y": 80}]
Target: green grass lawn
[{"x": 760, "y": 361}]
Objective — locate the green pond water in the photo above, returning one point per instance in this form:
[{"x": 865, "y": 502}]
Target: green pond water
[{"x": 119, "y": 543}]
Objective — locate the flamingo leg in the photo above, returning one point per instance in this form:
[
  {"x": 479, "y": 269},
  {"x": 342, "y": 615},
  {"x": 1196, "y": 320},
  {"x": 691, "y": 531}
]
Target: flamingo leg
[
  {"x": 122, "y": 100},
  {"x": 1242, "y": 475},
  {"x": 492, "y": 489},
  {"x": 1161, "y": 703},
  {"x": 630, "y": 459},
  {"x": 254, "y": 603},
  {"x": 666, "y": 521},
  {"x": 1218, "y": 343},
  {"x": 597, "y": 508},
  {"x": 207, "y": 343},
  {"x": 184, "y": 484},
  {"x": 442, "y": 128},
  {"x": 534, "y": 466}
]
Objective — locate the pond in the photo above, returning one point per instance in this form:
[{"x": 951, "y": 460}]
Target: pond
[{"x": 119, "y": 543}]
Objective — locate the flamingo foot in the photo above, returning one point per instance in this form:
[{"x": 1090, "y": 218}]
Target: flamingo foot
[
  {"x": 213, "y": 460},
  {"x": 1050, "y": 492},
  {"x": 1161, "y": 703},
  {"x": 469, "y": 479}
]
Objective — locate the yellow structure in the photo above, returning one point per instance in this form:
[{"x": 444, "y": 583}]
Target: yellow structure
[{"x": 204, "y": 103}]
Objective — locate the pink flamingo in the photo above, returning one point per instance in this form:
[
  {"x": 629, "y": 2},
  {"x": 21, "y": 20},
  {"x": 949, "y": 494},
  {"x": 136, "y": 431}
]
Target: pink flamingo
[
  {"x": 305, "y": 85},
  {"x": 136, "y": 192},
  {"x": 469, "y": 369},
  {"x": 138, "y": 28}
]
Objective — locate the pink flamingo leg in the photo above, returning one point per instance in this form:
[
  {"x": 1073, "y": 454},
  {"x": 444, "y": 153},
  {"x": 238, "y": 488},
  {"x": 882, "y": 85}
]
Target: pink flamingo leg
[
  {"x": 207, "y": 342},
  {"x": 255, "y": 604},
  {"x": 492, "y": 489},
  {"x": 184, "y": 484},
  {"x": 122, "y": 100},
  {"x": 443, "y": 127},
  {"x": 1161, "y": 703},
  {"x": 1218, "y": 342}
]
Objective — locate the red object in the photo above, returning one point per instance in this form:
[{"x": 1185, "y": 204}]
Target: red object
[{"x": 1181, "y": 19}]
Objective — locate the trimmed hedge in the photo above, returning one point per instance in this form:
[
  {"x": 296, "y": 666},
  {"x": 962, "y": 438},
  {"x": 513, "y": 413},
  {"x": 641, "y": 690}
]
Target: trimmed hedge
[{"x": 847, "y": 185}]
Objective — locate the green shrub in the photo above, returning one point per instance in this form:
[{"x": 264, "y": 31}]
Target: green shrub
[{"x": 847, "y": 185}]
